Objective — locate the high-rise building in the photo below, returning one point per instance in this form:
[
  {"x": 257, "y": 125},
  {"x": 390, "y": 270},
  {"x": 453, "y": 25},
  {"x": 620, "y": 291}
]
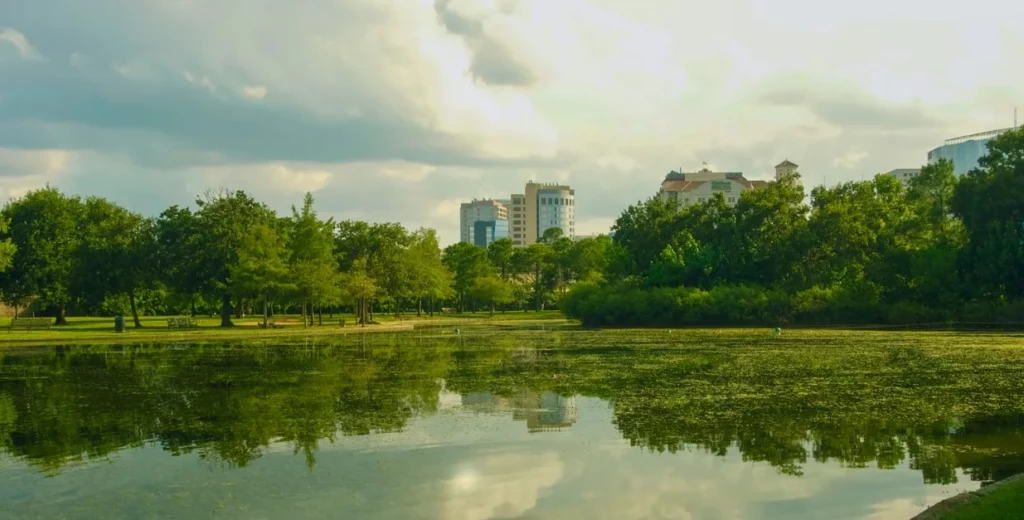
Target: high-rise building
[
  {"x": 483, "y": 221},
  {"x": 542, "y": 207},
  {"x": 700, "y": 186},
  {"x": 964, "y": 151}
]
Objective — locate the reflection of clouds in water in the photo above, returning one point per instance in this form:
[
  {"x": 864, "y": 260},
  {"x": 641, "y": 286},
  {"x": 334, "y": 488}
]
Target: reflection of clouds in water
[
  {"x": 499, "y": 486},
  {"x": 694, "y": 487},
  {"x": 903, "y": 508}
]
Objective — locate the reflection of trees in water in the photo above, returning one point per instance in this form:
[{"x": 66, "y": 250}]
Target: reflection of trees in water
[
  {"x": 857, "y": 408},
  {"x": 229, "y": 404},
  {"x": 880, "y": 407}
]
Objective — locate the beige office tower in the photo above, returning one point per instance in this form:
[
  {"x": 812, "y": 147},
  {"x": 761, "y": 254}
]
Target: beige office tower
[{"x": 542, "y": 207}]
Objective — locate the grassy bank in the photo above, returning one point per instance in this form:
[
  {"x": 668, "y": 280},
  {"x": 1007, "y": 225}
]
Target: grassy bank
[
  {"x": 101, "y": 330},
  {"x": 1001, "y": 501}
]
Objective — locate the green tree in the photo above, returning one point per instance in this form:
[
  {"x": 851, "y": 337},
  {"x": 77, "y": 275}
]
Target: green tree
[
  {"x": 7, "y": 248},
  {"x": 312, "y": 259},
  {"x": 771, "y": 232},
  {"x": 44, "y": 231},
  {"x": 467, "y": 262},
  {"x": 225, "y": 220},
  {"x": 987, "y": 200},
  {"x": 429, "y": 278},
  {"x": 261, "y": 266},
  {"x": 492, "y": 291},
  {"x": 588, "y": 259},
  {"x": 115, "y": 254},
  {"x": 499, "y": 253},
  {"x": 361, "y": 289},
  {"x": 179, "y": 258}
]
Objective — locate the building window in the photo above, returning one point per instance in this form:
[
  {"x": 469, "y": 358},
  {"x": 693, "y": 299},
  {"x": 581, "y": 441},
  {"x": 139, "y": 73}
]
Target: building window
[{"x": 732, "y": 199}]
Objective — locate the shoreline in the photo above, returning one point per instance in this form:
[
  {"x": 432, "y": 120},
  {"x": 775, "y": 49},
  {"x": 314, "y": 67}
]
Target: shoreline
[
  {"x": 156, "y": 334},
  {"x": 954, "y": 503}
]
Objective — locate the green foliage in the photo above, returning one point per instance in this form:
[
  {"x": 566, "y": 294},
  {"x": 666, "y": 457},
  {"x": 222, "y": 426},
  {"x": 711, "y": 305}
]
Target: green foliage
[
  {"x": 44, "y": 228},
  {"x": 492, "y": 291}
]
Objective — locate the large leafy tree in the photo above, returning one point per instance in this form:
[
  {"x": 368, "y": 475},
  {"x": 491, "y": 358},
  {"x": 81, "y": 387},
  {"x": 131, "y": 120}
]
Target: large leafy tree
[
  {"x": 467, "y": 262},
  {"x": 988, "y": 201},
  {"x": 44, "y": 229},
  {"x": 770, "y": 233},
  {"x": 115, "y": 254},
  {"x": 499, "y": 253},
  {"x": 225, "y": 220},
  {"x": 492, "y": 291},
  {"x": 429, "y": 279},
  {"x": 261, "y": 266},
  {"x": 179, "y": 257},
  {"x": 313, "y": 262}
]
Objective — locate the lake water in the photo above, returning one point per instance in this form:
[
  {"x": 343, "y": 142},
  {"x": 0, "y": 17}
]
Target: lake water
[{"x": 489, "y": 423}]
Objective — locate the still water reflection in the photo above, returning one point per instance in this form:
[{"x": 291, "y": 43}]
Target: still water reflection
[{"x": 516, "y": 424}]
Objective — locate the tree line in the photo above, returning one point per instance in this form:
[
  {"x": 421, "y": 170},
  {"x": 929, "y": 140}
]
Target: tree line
[
  {"x": 943, "y": 248},
  {"x": 231, "y": 253}
]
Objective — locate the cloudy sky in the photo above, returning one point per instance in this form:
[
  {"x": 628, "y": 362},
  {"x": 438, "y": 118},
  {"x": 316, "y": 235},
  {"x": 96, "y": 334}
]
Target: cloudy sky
[{"x": 398, "y": 110}]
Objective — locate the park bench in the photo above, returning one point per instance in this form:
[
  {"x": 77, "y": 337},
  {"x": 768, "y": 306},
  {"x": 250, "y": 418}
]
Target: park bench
[
  {"x": 181, "y": 323},
  {"x": 29, "y": 323}
]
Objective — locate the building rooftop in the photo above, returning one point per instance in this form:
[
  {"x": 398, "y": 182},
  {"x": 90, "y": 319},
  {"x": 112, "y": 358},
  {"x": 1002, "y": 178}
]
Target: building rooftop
[
  {"x": 974, "y": 137},
  {"x": 684, "y": 185},
  {"x": 787, "y": 162}
]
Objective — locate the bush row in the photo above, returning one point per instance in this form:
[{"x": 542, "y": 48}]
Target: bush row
[{"x": 631, "y": 306}]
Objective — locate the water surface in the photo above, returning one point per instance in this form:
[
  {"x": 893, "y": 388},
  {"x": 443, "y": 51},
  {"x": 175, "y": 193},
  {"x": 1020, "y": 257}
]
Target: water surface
[{"x": 511, "y": 423}]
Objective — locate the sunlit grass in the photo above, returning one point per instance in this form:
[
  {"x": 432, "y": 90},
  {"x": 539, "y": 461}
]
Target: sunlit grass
[{"x": 93, "y": 329}]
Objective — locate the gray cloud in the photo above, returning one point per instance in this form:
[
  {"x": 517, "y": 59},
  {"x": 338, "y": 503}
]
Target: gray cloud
[
  {"x": 846, "y": 107},
  {"x": 494, "y": 62},
  {"x": 166, "y": 85}
]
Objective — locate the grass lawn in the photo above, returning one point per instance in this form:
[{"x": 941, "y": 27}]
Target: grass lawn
[
  {"x": 1005, "y": 503},
  {"x": 154, "y": 328}
]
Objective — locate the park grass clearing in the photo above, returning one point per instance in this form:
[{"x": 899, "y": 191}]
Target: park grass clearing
[{"x": 154, "y": 328}]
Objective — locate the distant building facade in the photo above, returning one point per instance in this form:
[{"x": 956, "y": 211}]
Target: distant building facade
[
  {"x": 539, "y": 208},
  {"x": 904, "y": 175},
  {"x": 688, "y": 189},
  {"x": 487, "y": 231},
  {"x": 965, "y": 151},
  {"x": 483, "y": 221}
]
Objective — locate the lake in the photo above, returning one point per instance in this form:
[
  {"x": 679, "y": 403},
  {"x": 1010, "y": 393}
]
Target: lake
[{"x": 490, "y": 422}]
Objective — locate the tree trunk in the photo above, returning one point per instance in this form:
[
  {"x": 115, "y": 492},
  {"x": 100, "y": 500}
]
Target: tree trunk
[
  {"x": 193, "y": 304},
  {"x": 135, "y": 311},
  {"x": 225, "y": 311},
  {"x": 266, "y": 311},
  {"x": 430, "y": 306},
  {"x": 492, "y": 309},
  {"x": 61, "y": 318},
  {"x": 419, "y": 307},
  {"x": 303, "y": 312},
  {"x": 320, "y": 315},
  {"x": 238, "y": 309}
]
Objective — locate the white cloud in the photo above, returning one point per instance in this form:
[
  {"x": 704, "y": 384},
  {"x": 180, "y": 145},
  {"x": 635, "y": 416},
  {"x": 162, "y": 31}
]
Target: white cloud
[
  {"x": 24, "y": 170},
  {"x": 18, "y": 40},
  {"x": 201, "y": 81},
  {"x": 500, "y": 485},
  {"x": 254, "y": 91}
]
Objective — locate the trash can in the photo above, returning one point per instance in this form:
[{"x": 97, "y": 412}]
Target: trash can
[{"x": 118, "y": 323}]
